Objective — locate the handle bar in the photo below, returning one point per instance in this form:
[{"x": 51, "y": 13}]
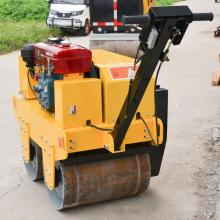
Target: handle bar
[
  {"x": 145, "y": 19},
  {"x": 203, "y": 16},
  {"x": 138, "y": 19}
]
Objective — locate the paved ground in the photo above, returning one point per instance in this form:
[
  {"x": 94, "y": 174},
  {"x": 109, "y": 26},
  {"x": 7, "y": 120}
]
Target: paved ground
[{"x": 188, "y": 186}]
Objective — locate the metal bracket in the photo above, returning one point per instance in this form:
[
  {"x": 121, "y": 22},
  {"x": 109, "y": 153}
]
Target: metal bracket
[{"x": 49, "y": 165}]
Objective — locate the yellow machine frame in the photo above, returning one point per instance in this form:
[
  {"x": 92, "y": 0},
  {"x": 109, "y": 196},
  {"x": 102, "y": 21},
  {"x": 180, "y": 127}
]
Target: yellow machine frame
[
  {"x": 147, "y": 5},
  {"x": 98, "y": 100}
]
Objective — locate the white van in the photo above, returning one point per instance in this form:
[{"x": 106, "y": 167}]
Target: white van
[{"x": 70, "y": 14}]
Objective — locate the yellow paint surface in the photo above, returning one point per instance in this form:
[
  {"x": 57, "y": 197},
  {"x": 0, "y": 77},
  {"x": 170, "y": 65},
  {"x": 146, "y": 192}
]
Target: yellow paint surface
[{"x": 98, "y": 100}]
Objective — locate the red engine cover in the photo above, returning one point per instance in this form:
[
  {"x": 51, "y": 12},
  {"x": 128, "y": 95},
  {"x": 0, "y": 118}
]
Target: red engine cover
[{"x": 65, "y": 59}]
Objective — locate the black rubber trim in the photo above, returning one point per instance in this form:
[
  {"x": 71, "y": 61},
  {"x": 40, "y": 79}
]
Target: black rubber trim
[
  {"x": 156, "y": 154},
  {"x": 103, "y": 154}
]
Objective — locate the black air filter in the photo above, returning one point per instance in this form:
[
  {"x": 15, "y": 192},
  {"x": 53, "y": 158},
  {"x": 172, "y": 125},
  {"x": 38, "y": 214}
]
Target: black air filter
[{"x": 27, "y": 53}]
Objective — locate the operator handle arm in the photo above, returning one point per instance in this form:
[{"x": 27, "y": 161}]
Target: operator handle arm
[
  {"x": 146, "y": 19},
  {"x": 203, "y": 16},
  {"x": 160, "y": 25}
]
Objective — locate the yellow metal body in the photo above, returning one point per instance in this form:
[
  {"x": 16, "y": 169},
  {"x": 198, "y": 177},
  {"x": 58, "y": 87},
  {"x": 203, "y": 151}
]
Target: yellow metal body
[
  {"x": 99, "y": 100},
  {"x": 148, "y": 4}
]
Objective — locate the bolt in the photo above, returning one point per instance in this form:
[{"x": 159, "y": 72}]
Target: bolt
[
  {"x": 106, "y": 146},
  {"x": 73, "y": 141},
  {"x": 72, "y": 147}
]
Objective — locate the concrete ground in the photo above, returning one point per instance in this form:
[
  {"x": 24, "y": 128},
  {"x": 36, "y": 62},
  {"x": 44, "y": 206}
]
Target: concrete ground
[{"x": 188, "y": 186}]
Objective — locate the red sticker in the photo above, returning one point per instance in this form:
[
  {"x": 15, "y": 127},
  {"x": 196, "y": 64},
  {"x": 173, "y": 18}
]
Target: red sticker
[{"x": 120, "y": 72}]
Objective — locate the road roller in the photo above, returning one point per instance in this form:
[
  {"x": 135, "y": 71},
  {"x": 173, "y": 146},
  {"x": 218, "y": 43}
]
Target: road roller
[{"x": 93, "y": 124}]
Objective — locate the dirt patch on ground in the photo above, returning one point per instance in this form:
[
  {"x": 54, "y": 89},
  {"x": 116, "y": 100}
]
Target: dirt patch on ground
[{"x": 208, "y": 178}]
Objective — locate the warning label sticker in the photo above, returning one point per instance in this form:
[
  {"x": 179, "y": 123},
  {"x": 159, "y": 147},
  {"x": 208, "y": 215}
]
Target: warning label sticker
[{"x": 121, "y": 72}]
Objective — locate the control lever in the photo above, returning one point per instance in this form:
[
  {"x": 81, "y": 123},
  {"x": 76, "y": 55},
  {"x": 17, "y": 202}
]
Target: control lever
[{"x": 160, "y": 26}]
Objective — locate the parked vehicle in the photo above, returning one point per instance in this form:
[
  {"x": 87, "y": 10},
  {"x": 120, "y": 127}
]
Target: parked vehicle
[
  {"x": 106, "y": 15},
  {"x": 108, "y": 31},
  {"x": 70, "y": 15}
]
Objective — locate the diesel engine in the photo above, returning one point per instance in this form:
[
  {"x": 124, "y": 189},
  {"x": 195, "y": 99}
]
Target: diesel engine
[{"x": 50, "y": 61}]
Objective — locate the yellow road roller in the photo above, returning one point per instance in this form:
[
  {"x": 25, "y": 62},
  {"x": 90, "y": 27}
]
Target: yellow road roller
[{"x": 93, "y": 124}]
